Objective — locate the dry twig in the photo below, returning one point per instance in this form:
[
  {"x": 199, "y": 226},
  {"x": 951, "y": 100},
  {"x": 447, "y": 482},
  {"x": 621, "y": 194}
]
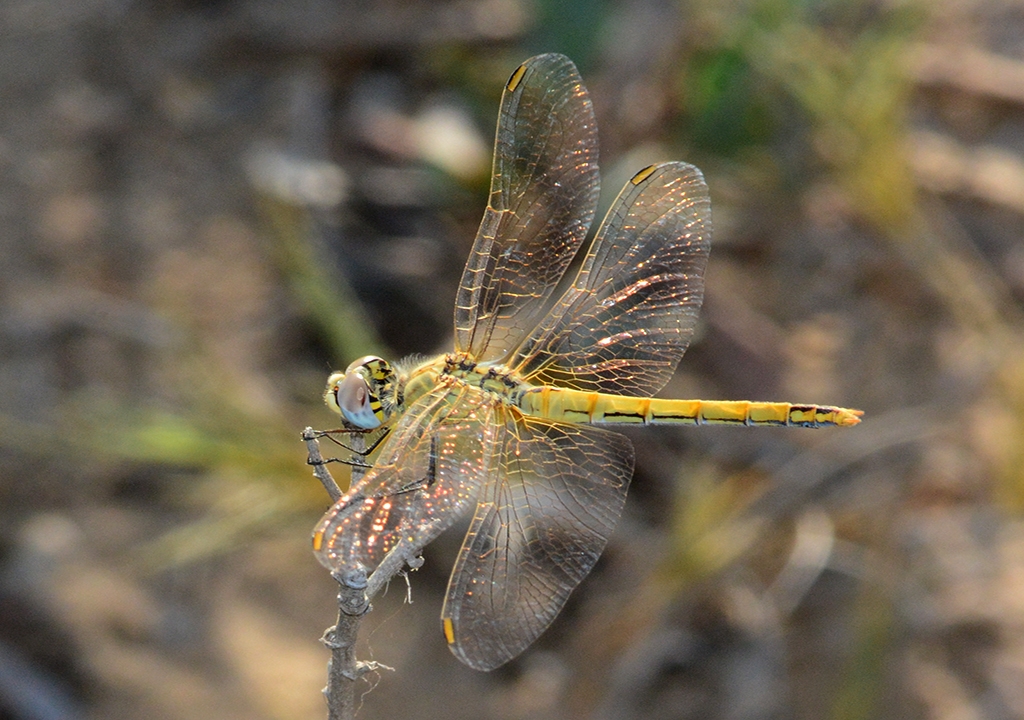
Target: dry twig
[{"x": 356, "y": 589}]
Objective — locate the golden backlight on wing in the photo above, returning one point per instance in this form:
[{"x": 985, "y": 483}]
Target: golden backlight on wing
[{"x": 508, "y": 425}]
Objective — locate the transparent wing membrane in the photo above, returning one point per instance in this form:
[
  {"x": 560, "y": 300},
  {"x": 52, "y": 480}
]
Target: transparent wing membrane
[
  {"x": 537, "y": 531},
  {"x": 494, "y": 425},
  {"x": 626, "y": 320},
  {"x": 429, "y": 473},
  {"x": 543, "y": 196}
]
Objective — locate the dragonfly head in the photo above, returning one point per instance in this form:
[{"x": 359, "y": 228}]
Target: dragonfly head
[{"x": 356, "y": 394}]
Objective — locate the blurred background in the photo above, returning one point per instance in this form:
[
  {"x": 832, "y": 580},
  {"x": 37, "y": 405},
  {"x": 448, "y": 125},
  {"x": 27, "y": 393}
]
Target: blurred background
[{"x": 207, "y": 205}]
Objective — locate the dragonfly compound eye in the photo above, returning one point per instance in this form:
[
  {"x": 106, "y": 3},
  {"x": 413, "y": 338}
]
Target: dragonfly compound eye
[
  {"x": 356, "y": 402},
  {"x": 503, "y": 423}
]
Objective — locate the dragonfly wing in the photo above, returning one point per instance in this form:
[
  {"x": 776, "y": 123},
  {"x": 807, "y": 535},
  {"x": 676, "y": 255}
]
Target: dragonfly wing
[
  {"x": 626, "y": 320},
  {"x": 537, "y": 531},
  {"x": 429, "y": 473},
  {"x": 543, "y": 197}
]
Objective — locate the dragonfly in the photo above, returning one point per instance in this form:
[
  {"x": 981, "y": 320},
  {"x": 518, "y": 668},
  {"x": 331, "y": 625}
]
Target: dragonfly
[{"x": 509, "y": 425}]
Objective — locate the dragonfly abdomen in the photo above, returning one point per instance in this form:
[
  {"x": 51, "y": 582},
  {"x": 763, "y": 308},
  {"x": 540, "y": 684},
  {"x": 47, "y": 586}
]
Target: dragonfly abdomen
[{"x": 599, "y": 408}]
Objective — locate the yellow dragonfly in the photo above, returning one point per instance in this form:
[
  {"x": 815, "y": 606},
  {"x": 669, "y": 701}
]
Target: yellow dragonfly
[{"x": 506, "y": 425}]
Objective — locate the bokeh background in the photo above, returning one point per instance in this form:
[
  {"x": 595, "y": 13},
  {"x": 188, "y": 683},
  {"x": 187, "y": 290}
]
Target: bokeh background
[{"x": 206, "y": 205}]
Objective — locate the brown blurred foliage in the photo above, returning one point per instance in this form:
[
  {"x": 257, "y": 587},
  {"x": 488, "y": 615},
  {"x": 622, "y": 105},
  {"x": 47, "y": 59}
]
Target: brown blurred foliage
[{"x": 209, "y": 204}]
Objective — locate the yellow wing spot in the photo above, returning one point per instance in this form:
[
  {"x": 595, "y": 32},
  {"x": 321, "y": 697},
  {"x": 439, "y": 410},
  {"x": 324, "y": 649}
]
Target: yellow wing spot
[
  {"x": 643, "y": 174},
  {"x": 517, "y": 77},
  {"x": 449, "y": 630},
  {"x": 318, "y": 540}
]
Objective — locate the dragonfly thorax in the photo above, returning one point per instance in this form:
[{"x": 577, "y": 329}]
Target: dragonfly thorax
[
  {"x": 365, "y": 394},
  {"x": 492, "y": 377},
  {"x": 503, "y": 428}
]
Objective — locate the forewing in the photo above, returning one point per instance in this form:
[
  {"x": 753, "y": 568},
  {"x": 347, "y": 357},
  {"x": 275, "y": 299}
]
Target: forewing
[
  {"x": 626, "y": 320},
  {"x": 538, "y": 529},
  {"x": 543, "y": 196},
  {"x": 428, "y": 474}
]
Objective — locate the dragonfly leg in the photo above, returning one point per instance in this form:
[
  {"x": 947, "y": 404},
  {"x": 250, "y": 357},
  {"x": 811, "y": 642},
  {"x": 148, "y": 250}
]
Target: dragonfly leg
[
  {"x": 429, "y": 477},
  {"x": 330, "y": 435},
  {"x": 354, "y": 452},
  {"x": 350, "y": 463}
]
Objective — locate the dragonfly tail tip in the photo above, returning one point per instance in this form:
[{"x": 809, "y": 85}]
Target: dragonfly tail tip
[{"x": 846, "y": 417}]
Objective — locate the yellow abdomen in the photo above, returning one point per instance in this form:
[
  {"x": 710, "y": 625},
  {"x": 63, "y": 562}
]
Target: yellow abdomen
[{"x": 599, "y": 408}]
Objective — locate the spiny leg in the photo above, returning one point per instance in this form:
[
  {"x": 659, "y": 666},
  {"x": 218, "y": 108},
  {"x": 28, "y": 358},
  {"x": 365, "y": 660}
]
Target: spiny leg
[
  {"x": 427, "y": 480},
  {"x": 353, "y": 452}
]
